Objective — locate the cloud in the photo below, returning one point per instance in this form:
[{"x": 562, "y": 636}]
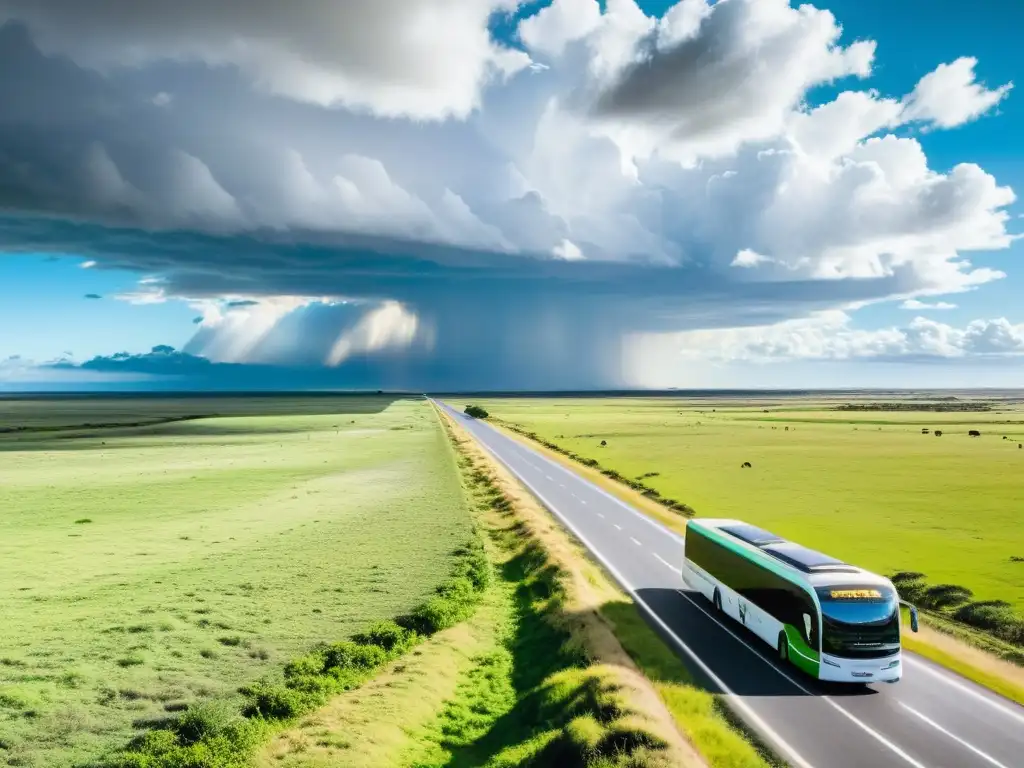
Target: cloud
[
  {"x": 93, "y": 296},
  {"x": 918, "y": 305},
  {"x": 87, "y": 264},
  {"x": 706, "y": 79},
  {"x": 551, "y": 28},
  {"x": 830, "y": 336},
  {"x": 949, "y": 96},
  {"x": 144, "y": 295},
  {"x": 426, "y": 59},
  {"x": 747, "y": 258},
  {"x": 653, "y": 176}
]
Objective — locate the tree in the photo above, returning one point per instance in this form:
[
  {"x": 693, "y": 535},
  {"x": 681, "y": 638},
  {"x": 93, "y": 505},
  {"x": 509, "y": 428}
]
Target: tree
[{"x": 476, "y": 412}]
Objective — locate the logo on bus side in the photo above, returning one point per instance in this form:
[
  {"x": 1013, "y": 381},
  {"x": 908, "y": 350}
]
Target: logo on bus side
[{"x": 743, "y": 612}]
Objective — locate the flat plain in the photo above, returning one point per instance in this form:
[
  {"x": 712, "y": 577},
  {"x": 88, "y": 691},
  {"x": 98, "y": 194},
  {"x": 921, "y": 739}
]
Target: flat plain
[
  {"x": 865, "y": 486},
  {"x": 146, "y": 568}
]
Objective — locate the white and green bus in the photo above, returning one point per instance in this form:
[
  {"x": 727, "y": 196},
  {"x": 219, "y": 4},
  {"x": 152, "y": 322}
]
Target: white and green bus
[{"x": 834, "y": 621}]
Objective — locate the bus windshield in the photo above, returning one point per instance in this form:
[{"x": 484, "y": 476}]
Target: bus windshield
[{"x": 858, "y": 621}]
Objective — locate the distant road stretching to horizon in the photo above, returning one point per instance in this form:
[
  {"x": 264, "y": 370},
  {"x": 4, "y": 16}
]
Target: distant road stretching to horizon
[{"x": 930, "y": 719}]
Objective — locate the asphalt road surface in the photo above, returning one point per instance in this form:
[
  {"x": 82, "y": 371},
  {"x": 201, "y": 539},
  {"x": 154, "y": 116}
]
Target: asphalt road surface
[{"x": 930, "y": 719}]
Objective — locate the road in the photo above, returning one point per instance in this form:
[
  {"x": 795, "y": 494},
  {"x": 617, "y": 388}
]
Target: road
[{"x": 930, "y": 719}]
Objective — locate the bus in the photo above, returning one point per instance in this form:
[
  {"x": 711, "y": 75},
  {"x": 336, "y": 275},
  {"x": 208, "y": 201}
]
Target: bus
[{"x": 832, "y": 620}]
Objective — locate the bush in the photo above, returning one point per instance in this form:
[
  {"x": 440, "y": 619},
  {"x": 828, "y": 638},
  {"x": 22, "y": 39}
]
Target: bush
[
  {"x": 476, "y": 412},
  {"x": 945, "y": 596},
  {"x": 204, "y": 721},
  {"x": 986, "y": 614},
  {"x": 909, "y": 584},
  {"x": 274, "y": 702},
  {"x": 387, "y": 635},
  {"x": 351, "y": 655},
  {"x": 310, "y": 664}
]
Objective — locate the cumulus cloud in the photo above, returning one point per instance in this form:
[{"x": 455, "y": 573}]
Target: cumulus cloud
[
  {"x": 919, "y": 305},
  {"x": 709, "y": 78},
  {"x": 362, "y": 192},
  {"x": 426, "y": 59},
  {"x": 950, "y": 96},
  {"x": 830, "y": 336}
]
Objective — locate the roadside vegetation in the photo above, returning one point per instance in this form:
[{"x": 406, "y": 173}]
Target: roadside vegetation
[{"x": 150, "y": 573}]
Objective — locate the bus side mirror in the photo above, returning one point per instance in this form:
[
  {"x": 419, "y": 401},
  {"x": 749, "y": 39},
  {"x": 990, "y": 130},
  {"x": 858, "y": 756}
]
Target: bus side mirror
[{"x": 913, "y": 619}]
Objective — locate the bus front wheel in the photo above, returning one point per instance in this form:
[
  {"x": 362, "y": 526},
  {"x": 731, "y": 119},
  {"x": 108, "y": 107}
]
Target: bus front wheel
[{"x": 783, "y": 647}]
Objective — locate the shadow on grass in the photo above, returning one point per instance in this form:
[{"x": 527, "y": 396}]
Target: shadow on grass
[{"x": 536, "y": 651}]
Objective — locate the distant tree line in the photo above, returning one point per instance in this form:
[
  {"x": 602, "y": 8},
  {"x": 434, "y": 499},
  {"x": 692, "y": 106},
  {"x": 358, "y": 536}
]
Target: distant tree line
[{"x": 907, "y": 406}]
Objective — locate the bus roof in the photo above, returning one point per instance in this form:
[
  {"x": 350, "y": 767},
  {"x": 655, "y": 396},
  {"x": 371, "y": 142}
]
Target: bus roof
[{"x": 816, "y": 568}]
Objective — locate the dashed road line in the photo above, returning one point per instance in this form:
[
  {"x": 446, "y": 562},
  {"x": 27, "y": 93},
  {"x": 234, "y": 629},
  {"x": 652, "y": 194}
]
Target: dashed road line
[
  {"x": 667, "y": 564},
  {"x": 983, "y": 755}
]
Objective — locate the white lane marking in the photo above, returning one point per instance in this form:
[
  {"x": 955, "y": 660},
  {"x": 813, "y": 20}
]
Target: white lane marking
[
  {"x": 549, "y": 477},
  {"x": 791, "y": 755},
  {"x": 667, "y": 564},
  {"x": 600, "y": 515},
  {"x": 591, "y": 486},
  {"x": 860, "y": 724},
  {"x": 617, "y": 526},
  {"x": 583, "y": 501},
  {"x": 983, "y": 755},
  {"x": 635, "y": 541},
  {"x": 964, "y": 688}
]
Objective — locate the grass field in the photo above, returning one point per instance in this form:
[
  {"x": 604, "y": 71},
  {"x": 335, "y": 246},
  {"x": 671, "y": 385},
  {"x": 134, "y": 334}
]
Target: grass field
[
  {"x": 865, "y": 486},
  {"x": 143, "y": 569}
]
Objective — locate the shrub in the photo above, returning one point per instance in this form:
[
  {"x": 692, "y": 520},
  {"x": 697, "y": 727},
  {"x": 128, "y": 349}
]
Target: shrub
[
  {"x": 985, "y": 614},
  {"x": 310, "y": 664},
  {"x": 351, "y": 655},
  {"x": 945, "y": 596},
  {"x": 275, "y": 702},
  {"x": 204, "y": 721},
  {"x": 387, "y": 635},
  {"x": 476, "y": 412}
]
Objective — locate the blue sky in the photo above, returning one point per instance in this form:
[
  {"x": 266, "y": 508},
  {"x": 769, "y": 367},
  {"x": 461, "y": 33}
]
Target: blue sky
[{"x": 536, "y": 213}]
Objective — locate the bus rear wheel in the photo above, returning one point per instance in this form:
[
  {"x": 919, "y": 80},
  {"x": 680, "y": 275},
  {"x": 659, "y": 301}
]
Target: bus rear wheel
[{"x": 783, "y": 647}]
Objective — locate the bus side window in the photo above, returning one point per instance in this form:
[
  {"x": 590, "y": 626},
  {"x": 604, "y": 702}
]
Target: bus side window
[{"x": 810, "y": 616}]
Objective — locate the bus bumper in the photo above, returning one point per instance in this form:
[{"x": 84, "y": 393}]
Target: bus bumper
[{"x": 884, "y": 670}]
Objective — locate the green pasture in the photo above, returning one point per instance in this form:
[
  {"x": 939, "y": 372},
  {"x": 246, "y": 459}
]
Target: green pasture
[
  {"x": 142, "y": 569},
  {"x": 864, "y": 486}
]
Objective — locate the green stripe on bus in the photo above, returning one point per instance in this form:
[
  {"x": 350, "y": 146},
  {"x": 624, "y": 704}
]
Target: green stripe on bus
[{"x": 801, "y": 654}]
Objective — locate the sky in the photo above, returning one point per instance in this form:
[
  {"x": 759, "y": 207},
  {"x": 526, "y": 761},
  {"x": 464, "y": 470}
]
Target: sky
[{"x": 494, "y": 194}]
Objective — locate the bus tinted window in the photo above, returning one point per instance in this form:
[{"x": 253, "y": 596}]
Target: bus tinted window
[{"x": 773, "y": 594}]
